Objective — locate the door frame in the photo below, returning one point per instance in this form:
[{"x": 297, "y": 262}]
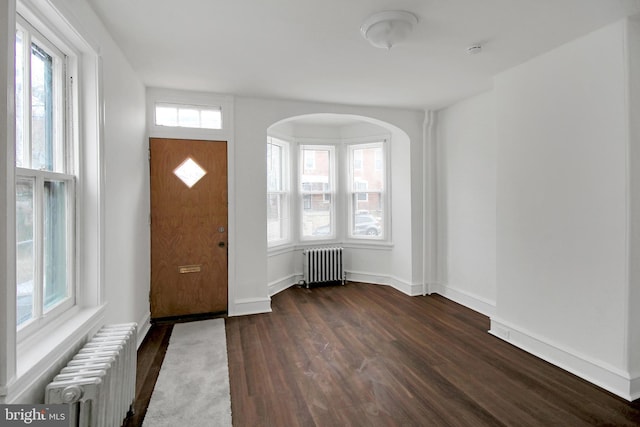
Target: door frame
[
  {"x": 164, "y": 155},
  {"x": 156, "y": 95}
]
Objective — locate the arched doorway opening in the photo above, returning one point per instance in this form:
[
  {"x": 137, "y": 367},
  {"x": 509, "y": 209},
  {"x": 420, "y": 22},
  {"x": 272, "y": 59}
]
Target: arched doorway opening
[{"x": 314, "y": 205}]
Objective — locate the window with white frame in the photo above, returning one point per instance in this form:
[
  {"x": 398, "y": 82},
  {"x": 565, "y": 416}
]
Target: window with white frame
[
  {"x": 356, "y": 209},
  {"x": 188, "y": 116},
  {"x": 278, "y": 193},
  {"x": 45, "y": 179},
  {"x": 367, "y": 185},
  {"x": 317, "y": 189}
]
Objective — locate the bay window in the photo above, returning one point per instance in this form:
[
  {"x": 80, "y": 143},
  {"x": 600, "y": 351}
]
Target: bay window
[{"x": 340, "y": 188}]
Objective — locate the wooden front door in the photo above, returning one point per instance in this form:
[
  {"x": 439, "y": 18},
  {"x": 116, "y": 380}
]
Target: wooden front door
[{"x": 188, "y": 227}]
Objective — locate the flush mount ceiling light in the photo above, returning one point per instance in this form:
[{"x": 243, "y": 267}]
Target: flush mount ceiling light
[{"x": 385, "y": 29}]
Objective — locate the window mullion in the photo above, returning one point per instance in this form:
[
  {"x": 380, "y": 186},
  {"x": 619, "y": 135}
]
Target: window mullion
[
  {"x": 28, "y": 113},
  {"x": 71, "y": 236},
  {"x": 68, "y": 123},
  {"x": 59, "y": 89},
  {"x": 38, "y": 288}
]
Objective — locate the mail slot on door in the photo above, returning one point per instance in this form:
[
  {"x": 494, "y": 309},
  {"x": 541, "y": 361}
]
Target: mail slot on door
[{"x": 190, "y": 268}]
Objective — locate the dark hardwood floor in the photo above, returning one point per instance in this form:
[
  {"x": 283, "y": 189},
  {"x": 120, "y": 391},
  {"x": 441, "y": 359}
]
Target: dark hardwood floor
[
  {"x": 368, "y": 355},
  {"x": 150, "y": 357}
]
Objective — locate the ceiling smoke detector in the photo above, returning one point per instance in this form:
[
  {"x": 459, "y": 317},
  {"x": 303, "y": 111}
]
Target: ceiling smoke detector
[{"x": 386, "y": 29}]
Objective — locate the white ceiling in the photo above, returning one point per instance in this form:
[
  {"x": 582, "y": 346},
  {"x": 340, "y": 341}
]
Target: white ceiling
[{"x": 313, "y": 50}]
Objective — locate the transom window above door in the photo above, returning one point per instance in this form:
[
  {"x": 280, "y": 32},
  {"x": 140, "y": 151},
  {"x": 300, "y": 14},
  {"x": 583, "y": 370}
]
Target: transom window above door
[{"x": 188, "y": 116}]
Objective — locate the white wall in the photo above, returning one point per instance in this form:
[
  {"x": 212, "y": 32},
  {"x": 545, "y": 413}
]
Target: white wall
[
  {"x": 126, "y": 191},
  {"x": 253, "y": 116},
  {"x": 467, "y": 158},
  {"x": 7, "y": 195},
  {"x": 633, "y": 50},
  {"x": 126, "y": 173},
  {"x": 125, "y": 197},
  {"x": 562, "y": 207}
]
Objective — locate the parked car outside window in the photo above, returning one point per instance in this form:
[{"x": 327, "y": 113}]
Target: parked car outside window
[{"x": 364, "y": 225}]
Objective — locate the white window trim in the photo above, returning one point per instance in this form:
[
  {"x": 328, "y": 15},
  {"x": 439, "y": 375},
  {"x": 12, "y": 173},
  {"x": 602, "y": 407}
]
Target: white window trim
[
  {"x": 43, "y": 316},
  {"x": 199, "y": 108},
  {"x": 368, "y": 142},
  {"x": 67, "y": 130},
  {"x": 62, "y": 57},
  {"x": 44, "y": 35},
  {"x": 286, "y": 208},
  {"x": 202, "y": 100},
  {"x": 285, "y": 191},
  {"x": 333, "y": 149},
  {"x": 25, "y": 363},
  {"x": 340, "y": 195}
]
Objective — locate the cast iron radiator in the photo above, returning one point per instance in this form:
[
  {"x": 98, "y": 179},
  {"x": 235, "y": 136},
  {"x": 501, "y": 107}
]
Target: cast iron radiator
[
  {"x": 323, "y": 265},
  {"x": 99, "y": 382}
]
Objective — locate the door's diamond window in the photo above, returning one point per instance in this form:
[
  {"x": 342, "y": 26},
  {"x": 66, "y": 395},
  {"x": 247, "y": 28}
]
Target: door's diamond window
[{"x": 189, "y": 172}]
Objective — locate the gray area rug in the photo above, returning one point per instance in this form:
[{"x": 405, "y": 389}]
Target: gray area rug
[{"x": 193, "y": 385}]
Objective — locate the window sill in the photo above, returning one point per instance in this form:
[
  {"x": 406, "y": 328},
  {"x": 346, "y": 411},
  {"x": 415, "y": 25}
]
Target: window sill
[
  {"x": 349, "y": 244},
  {"x": 42, "y": 352},
  {"x": 369, "y": 244}
]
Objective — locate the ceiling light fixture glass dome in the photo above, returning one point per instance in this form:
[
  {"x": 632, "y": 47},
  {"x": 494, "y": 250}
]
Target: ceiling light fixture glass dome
[{"x": 385, "y": 29}]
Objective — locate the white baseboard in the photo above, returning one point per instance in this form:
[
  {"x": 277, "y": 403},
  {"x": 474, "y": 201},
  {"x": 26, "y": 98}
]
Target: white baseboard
[
  {"x": 404, "y": 287},
  {"x": 635, "y": 388},
  {"x": 246, "y": 306},
  {"x": 411, "y": 289},
  {"x": 377, "y": 279},
  {"x": 474, "y": 302},
  {"x": 596, "y": 372},
  {"x": 355, "y": 276},
  {"x": 284, "y": 283},
  {"x": 143, "y": 328}
]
